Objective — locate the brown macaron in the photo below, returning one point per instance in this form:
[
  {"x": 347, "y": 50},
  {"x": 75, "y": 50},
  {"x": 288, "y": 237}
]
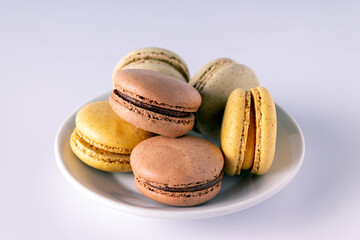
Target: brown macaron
[
  {"x": 154, "y": 101},
  {"x": 183, "y": 171}
]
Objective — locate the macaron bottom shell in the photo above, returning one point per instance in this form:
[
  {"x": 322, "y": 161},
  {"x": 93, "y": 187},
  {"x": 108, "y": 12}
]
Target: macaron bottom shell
[
  {"x": 151, "y": 121},
  {"x": 180, "y": 199},
  {"x": 234, "y": 130},
  {"x": 98, "y": 158}
]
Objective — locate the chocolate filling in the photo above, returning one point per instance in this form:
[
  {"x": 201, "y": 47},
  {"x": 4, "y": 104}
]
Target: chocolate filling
[
  {"x": 164, "y": 111},
  {"x": 190, "y": 189}
]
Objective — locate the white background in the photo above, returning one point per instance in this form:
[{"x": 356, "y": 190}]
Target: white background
[{"x": 54, "y": 57}]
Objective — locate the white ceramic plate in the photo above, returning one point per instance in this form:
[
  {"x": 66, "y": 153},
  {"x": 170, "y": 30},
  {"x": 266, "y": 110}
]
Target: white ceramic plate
[{"x": 237, "y": 193}]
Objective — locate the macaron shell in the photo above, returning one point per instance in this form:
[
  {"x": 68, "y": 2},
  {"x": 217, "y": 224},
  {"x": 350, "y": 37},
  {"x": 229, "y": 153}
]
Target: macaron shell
[
  {"x": 158, "y": 89},
  {"x": 103, "y": 128},
  {"x": 180, "y": 198},
  {"x": 215, "y": 94},
  {"x": 266, "y": 127},
  {"x": 157, "y": 67},
  {"x": 180, "y": 162},
  {"x": 159, "y": 55},
  {"x": 98, "y": 158},
  {"x": 250, "y": 143},
  {"x": 207, "y": 70},
  {"x": 234, "y": 130},
  {"x": 151, "y": 121}
]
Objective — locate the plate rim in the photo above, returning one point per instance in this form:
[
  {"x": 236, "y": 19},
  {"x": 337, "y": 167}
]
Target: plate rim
[{"x": 185, "y": 213}]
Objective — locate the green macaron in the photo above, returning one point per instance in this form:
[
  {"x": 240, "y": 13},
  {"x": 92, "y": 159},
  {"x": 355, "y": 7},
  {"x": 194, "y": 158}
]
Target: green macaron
[
  {"x": 215, "y": 81},
  {"x": 155, "y": 59}
]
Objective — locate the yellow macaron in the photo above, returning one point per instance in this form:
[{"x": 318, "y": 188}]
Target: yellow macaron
[
  {"x": 103, "y": 140},
  {"x": 248, "y": 131}
]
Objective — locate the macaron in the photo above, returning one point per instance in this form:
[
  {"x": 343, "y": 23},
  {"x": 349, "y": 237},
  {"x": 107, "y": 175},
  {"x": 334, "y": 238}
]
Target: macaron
[
  {"x": 155, "y": 102},
  {"x": 184, "y": 171},
  {"x": 155, "y": 59},
  {"x": 215, "y": 81},
  {"x": 248, "y": 131},
  {"x": 103, "y": 140}
]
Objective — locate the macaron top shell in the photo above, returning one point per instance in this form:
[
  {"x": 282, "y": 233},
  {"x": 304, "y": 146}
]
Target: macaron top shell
[
  {"x": 266, "y": 128},
  {"x": 188, "y": 160},
  {"x": 99, "y": 125},
  {"x": 225, "y": 68},
  {"x": 157, "y": 89},
  {"x": 156, "y": 66},
  {"x": 165, "y": 59},
  {"x": 201, "y": 77}
]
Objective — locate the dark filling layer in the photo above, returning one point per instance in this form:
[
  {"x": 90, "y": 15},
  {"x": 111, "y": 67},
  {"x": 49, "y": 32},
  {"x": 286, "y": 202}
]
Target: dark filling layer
[
  {"x": 190, "y": 189},
  {"x": 164, "y": 111}
]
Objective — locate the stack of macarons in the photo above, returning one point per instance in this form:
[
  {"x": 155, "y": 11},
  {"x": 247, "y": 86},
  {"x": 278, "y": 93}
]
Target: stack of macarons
[{"x": 154, "y": 105}]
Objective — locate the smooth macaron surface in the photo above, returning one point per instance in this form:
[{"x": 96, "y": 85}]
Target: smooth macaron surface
[
  {"x": 215, "y": 81},
  {"x": 103, "y": 140},
  {"x": 175, "y": 171},
  {"x": 155, "y": 59},
  {"x": 154, "y": 101}
]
